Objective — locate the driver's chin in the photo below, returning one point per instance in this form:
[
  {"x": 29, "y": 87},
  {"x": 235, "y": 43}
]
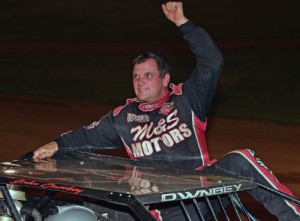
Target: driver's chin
[
  {"x": 147, "y": 98},
  {"x": 143, "y": 97}
]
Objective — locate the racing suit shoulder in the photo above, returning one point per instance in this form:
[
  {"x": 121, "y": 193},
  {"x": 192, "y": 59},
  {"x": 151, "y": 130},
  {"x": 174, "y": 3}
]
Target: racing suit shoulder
[{"x": 118, "y": 109}]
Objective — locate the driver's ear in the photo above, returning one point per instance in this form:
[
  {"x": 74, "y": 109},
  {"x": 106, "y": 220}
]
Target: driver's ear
[{"x": 166, "y": 80}]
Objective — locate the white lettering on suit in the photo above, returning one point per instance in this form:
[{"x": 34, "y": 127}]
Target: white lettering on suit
[{"x": 149, "y": 138}]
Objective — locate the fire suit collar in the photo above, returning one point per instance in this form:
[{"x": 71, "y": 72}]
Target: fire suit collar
[{"x": 150, "y": 106}]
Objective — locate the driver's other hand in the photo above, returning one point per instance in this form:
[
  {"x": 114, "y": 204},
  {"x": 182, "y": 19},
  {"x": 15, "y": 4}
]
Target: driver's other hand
[{"x": 46, "y": 151}]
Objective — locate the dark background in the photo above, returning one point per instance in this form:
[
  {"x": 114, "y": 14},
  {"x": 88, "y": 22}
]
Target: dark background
[
  {"x": 83, "y": 50},
  {"x": 63, "y": 62}
]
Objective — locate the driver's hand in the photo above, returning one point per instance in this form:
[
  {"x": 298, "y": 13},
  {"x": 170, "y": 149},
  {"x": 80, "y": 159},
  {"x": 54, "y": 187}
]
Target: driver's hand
[
  {"x": 174, "y": 12},
  {"x": 46, "y": 151}
]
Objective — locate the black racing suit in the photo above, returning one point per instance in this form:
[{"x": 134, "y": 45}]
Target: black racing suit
[{"x": 172, "y": 130}]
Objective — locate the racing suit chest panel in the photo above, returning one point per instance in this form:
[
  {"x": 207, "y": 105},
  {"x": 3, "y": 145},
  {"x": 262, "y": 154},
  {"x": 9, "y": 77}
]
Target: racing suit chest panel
[{"x": 166, "y": 134}]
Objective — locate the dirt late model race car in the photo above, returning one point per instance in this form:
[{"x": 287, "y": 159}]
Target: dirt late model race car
[{"x": 90, "y": 187}]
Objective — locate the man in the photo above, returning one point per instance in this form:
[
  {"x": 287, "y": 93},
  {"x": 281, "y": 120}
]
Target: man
[{"x": 166, "y": 123}]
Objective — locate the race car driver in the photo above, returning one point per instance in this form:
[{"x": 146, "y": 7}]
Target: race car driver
[{"x": 166, "y": 123}]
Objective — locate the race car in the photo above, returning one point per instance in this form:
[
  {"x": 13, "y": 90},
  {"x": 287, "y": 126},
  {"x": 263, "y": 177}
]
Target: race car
[{"x": 92, "y": 187}]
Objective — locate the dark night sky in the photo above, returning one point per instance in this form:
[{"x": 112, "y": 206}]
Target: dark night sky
[
  {"x": 138, "y": 20},
  {"x": 27, "y": 26}
]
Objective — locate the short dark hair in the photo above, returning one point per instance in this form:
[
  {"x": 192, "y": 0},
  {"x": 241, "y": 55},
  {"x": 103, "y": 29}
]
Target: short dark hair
[{"x": 162, "y": 62}]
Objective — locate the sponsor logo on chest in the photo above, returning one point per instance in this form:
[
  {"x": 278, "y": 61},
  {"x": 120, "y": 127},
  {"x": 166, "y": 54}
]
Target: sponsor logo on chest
[
  {"x": 137, "y": 118},
  {"x": 166, "y": 108},
  {"x": 149, "y": 138}
]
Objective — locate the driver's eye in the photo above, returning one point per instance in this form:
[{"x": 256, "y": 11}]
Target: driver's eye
[{"x": 148, "y": 75}]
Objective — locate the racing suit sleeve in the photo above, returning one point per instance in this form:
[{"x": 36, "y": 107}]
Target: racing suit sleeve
[
  {"x": 99, "y": 135},
  {"x": 200, "y": 87}
]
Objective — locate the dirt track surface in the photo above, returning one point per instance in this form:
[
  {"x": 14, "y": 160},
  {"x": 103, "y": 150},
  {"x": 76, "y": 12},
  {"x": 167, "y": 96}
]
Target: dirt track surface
[{"x": 28, "y": 123}]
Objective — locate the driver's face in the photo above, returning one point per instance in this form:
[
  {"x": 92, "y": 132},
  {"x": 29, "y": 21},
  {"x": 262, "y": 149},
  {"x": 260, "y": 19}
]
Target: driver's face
[{"x": 147, "y": 84}]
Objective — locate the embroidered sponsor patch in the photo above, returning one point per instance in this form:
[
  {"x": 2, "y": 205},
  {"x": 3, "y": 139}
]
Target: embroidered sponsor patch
[
  {"x": 166, "y": 108},
  {"x": 149, "y": 107},
  {"x": 137, "y": 118}
]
